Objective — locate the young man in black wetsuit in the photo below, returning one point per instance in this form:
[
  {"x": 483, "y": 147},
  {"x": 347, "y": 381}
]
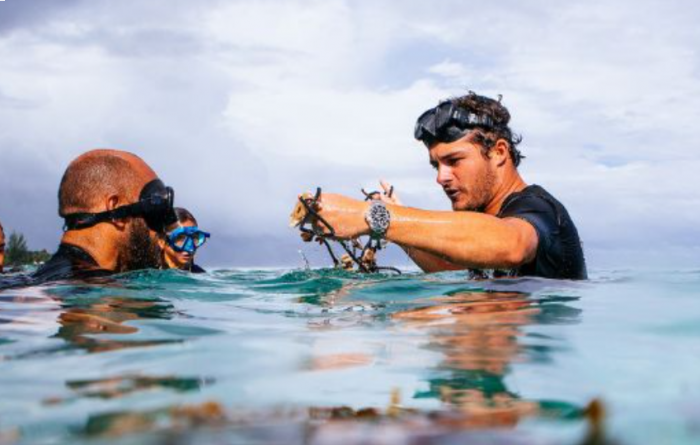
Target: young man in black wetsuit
[
  {"x": 499, "y": 222},
  {"x": 115, "y": 209}
]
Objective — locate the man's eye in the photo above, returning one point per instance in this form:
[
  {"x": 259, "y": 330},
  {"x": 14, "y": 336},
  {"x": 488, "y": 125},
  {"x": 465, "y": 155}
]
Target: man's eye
[{"x": 434, "y": 166}]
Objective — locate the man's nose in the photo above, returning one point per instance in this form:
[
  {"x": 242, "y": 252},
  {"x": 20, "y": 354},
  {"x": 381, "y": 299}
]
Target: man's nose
[{"x": 444, "y": 176}]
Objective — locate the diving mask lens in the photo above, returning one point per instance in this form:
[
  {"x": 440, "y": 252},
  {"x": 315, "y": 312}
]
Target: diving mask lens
[
  {"x": 447, "y": 122},
  {"x": 443, "y": 115},
  {"x": 200, "y": 238},
  {"x": 425, "y": 125},
  {"x": 433, "y": 123},
  {"x": 180, "y": 241}
]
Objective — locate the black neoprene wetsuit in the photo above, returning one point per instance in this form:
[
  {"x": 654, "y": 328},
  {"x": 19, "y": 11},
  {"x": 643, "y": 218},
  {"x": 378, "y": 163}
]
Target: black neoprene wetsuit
[
  {"x": 559, "y": 250},
  {"x": 69, "y": 262},
  {"x": 197, "y": 269}
]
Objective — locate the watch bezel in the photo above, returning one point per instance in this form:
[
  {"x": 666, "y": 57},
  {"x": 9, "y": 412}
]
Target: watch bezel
[{"x": 378, "y": 219}]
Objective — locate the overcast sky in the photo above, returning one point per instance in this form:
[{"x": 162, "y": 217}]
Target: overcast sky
[{"x": 241, "y": 105}]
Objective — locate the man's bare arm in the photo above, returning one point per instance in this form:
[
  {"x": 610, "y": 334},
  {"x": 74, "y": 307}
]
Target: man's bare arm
[
  {"x": 428, "y": 262},
  {"x": 462, "y": 239},
  {"x": 440, "y": 240}
]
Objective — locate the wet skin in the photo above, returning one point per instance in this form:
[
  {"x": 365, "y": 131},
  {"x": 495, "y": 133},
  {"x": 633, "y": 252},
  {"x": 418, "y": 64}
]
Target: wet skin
[{"x": 471, "y": 236}]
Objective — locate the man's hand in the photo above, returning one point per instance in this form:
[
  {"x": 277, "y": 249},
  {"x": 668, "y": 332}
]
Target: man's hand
[
  {"x": 389, "y": 196},
  {"x": 345, "y": 215}
]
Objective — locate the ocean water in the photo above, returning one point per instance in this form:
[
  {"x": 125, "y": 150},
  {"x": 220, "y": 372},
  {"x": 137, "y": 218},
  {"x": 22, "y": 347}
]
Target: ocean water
[{"x": 328, "y": 357}]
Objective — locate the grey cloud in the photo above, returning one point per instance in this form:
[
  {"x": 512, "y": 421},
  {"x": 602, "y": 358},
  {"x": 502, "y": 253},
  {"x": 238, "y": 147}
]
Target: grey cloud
[
  {"x": 138, "y": 43},
  {"x": 15, "y": 14},
  {"x": 28, "y": 198}
]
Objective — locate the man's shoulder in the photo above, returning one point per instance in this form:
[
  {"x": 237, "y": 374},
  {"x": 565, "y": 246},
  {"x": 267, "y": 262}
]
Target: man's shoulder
[
  {"x": 559, "y": 250},
  {"x": 67, "y": 263},
  {"x": 532, "y": 198}
]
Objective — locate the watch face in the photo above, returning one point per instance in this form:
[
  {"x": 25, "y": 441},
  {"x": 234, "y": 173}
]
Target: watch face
[{"x": 378, "y": 218}]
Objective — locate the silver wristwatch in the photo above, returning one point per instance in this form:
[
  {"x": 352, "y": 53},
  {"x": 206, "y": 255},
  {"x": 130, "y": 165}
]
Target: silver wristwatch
[{"x": 378, "y": 219}]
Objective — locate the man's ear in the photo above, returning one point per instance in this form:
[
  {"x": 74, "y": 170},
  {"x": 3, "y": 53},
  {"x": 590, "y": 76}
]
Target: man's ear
[
  {"x": 500, "y": 152},
  {"x": 113, "y": 203}
]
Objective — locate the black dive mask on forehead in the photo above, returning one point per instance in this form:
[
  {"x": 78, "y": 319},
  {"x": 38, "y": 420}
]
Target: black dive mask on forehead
[
  {"x": 155, "y": 206},
  {"x": 447, "y": 123}
]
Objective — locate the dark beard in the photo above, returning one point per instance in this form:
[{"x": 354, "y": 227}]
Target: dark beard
[
  {"x": 143, "y": 252},
  {"x": 482, "y": 192}
]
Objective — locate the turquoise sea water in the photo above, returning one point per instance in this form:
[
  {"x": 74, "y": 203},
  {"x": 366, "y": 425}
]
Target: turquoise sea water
[{"x": 325, "y": 357}]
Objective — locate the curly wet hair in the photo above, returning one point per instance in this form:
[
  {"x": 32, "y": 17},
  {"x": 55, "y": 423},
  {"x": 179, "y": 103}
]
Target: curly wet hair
[{"x": 488, "y": 136}]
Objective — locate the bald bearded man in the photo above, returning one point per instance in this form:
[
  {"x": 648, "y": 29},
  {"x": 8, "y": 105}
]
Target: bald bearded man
[{"x": 114, "y": 207}]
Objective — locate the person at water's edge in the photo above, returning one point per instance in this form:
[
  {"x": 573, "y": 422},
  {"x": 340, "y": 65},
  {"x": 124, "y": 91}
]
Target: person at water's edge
[
  {"x": 182, "y": 259},
  {"x": 2, "y": 249},
  {"x": 102, "y": 181},
  {"x": 499, "y": 222}
]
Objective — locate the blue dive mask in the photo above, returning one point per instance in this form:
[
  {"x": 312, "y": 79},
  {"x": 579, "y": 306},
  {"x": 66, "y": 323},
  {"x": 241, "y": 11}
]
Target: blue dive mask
[{"x": 187, "y": 239}]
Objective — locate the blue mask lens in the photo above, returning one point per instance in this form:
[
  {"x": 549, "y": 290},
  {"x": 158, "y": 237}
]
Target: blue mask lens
[{"x": 187, "y": 239}]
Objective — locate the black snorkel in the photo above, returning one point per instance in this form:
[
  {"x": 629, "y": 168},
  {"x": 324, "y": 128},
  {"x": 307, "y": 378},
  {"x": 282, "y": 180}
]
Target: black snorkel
[{"x": 155, "y": 206}]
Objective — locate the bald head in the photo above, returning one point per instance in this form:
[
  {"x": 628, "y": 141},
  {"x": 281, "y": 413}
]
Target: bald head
[{"x": 98, "y": 174}]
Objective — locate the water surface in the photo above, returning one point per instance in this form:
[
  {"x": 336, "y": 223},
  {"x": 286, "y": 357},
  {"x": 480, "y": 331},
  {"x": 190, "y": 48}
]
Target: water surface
[{"x": 321, "y": 356}]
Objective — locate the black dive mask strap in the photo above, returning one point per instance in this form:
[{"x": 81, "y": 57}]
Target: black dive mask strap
[
  {"x": 77, "y": 221},
  {"x": 155, "y": 206}
]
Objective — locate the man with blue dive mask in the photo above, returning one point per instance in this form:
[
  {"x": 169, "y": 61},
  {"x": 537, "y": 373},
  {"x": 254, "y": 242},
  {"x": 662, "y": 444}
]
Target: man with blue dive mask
[
  {"x": 181, "y": 243},
  {"x": 499, "y": 222},
  {"x": 115, "y": 209}
]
